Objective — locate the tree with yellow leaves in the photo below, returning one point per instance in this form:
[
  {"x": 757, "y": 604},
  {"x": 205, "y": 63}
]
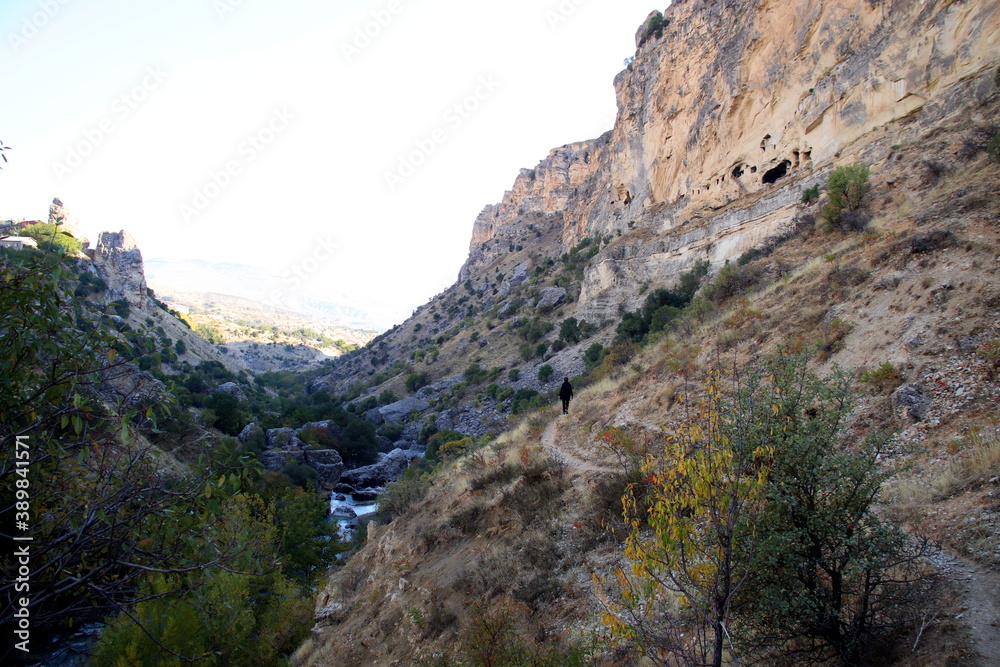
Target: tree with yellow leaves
[{"x": 692, "y": 534}]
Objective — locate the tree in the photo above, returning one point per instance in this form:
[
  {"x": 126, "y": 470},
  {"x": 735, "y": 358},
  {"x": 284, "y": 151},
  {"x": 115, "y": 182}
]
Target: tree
[
  {"x": 755, "y": 531},
  {"x": 545, "y": 373},
  {"x": 831, "y": 577},
  {"x": 848, "y": 189},
  {"x": 102, "y": 516},
  {"x": 570, "y": 331},
  {"x": 50, "y": 236},
  {"x": 700, "y": 501}
]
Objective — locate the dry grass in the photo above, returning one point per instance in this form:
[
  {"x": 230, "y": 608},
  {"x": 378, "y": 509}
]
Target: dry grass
[{"x": 973, "y": 468}]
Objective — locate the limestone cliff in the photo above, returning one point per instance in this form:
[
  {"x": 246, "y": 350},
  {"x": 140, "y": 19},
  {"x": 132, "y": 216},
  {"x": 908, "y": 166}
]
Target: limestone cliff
[
  {"x": 728, "y": 110},
  {"x": 119, "y": 261}
]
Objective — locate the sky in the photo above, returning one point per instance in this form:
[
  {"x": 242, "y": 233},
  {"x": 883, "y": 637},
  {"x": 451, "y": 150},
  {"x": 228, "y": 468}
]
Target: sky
[{"x": 342, "y": 148}]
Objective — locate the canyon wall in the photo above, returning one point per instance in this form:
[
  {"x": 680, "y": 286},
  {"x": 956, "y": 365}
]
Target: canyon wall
[{"x": 730, "y": 109}]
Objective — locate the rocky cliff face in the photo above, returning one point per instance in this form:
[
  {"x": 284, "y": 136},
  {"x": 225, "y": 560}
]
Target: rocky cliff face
[
  {"x": 60, "y": 214},
  {"x": 119, "y": 261},
  {"x": 728, "y": 111}
]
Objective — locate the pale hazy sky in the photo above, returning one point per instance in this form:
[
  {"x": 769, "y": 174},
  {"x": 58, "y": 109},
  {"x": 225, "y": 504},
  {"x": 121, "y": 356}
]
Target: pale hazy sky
[{"x": 350, "y": 143}]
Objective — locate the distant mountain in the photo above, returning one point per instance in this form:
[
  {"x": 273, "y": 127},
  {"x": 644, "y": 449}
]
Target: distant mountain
[{"x": 260, "y": 286}]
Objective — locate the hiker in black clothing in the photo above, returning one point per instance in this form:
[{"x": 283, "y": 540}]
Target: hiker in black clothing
[{"x": 566, "y": 393}]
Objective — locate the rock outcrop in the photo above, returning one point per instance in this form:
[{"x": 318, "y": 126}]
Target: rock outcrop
[
  {"x": 60, "y": 215},
  {"x": 388, "y": 469},
  {"x": 119, "y": 261},
  {"x": 747, "y": 101}
]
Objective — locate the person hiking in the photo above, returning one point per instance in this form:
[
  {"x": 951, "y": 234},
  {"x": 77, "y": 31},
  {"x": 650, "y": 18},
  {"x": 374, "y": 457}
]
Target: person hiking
[{"x": 566, "y": 393}]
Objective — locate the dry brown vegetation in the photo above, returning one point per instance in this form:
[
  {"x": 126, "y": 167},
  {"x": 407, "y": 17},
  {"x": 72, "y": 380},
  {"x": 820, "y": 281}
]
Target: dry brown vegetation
[{"x": 501, "y": 548}]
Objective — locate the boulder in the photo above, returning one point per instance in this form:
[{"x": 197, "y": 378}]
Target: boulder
[
  {"x": 389, "y": 469},
  {"x": 384, "y": 444},
  {"x": 394, "y": 413},
  {"x": 251, "y": 433},
  {"x": 517, "y": 277},
  {"x": 343, "y": 512},
  {"x": 231, "y": 388},
  {"x": 329, "y": 465},
  {"x": 365, "y": 496},
  {"x": 282, "y": 438},
  {"x": 276, "y": 459},
  {"x": 911, "y": 398},
  {"x": 126, "y": 386},
  {"x": 327, "y": 428},
  {"x": 375, "y": 416},
  {"x": 550, "y": 298}
]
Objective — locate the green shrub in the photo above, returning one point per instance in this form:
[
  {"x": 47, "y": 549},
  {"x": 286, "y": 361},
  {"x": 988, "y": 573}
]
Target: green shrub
[
  {"x": 993, "y": 147},
  {"x": 594, "y": 355},
  {"x": 514, "y": 374},
  {"x": 809, "y": 195},
  {"x": 50, "y": 237},
  {"x": 654, "y": 28},
  {"x": 545, "y": 373},
  {"x": 886, "y": 378},
  {"x": 416, "y": 381},
  {"x": 525, "y": 399},
  {"x": 848, "y": 189},
  {"x": 405, "y": 492},
  {"x": 476, "y": 374}
]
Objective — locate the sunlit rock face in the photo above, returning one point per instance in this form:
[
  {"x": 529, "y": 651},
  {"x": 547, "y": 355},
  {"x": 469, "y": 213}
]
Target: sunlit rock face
[
  {"x": 727, "y": 112},
  {"x": 119, "y": 261}
]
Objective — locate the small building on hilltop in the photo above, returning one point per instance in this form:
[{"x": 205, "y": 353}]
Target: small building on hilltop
[{"x": 17, "y": 242}]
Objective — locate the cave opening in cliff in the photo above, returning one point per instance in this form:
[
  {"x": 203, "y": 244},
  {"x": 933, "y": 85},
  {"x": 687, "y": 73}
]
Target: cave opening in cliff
[
  {"x": 772, "y": 175},
  {"x": 738, "y": 171}
]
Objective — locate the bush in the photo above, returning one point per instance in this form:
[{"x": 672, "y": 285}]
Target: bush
[
  {"x": 886, "y": 378},
  {"x": 416, "y": 381},
  {"x": 761, "y": 525},
  {"x": 848, "y": 189},
  {"x": 514, "y": 374},
  {"x": 993, "y": 147},
  {"x": 809, "y": 195},
  {"x": 50, "y": 237},
  {"x": 594, "y": 355},
  {"x": 525, "y": 399},
  {"x": 654, "y": 28},
  {"x": 545, "y": 373},
  {"x": 476, "y": 374},
  {"x": 404, "y": 493}
]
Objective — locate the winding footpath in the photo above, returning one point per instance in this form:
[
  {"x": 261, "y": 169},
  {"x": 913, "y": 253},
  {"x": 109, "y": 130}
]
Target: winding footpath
[
  {"x": 978, "y": 586},
  {"x": 571, "y": 460}
]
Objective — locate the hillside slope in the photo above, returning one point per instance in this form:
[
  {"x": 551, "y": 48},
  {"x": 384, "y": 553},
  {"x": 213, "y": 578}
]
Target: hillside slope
[{"x": 728, "y": 113}]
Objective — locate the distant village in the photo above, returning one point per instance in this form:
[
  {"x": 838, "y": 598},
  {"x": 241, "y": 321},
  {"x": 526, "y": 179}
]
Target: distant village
[
  {"x": 9, "y": 237},
  {"x": 11, "y": 231}
]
